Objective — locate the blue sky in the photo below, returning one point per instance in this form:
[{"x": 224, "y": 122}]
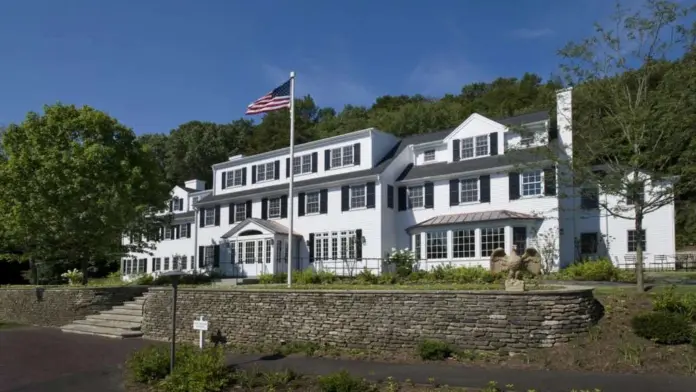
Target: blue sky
[{"x": 155, "y": 64}]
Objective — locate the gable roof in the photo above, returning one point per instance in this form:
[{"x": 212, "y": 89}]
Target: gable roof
[{"x": 273, "y": 227}]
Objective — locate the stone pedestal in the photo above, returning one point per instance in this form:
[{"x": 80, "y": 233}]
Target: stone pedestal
[{"x": 514, "y": 285}]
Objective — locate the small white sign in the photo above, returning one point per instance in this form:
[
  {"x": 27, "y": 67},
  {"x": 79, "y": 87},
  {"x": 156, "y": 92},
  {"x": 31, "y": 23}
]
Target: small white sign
[{"x": 200, "y": 325}]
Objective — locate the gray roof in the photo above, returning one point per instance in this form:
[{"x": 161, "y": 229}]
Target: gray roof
[
  {"x": 273, "y": 227},
  {"x": 183, "y": 217},
  {"x": 472, "y": 217},
  {"x": 511, "y": 158},
  {"x": 526, "y": 118}
]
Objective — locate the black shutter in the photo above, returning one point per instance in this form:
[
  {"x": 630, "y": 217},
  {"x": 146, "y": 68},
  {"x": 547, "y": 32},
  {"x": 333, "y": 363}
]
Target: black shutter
[
  {"x": 287, "y": 167},
  {"x": 181, "y": 204},
  {"x": 493, "y": 141},
  {"x": 170, "y": 205},
  {"x": 201, "y": 256},
  {"x": 201, "y": 222},
  {"x": 217, "y": 215},
  {"x": 161, "y": 233},
  {"x": 429, "y": 195},
  {"x": 327, "y": 159},
  {"x": 244, "y": 176},
  {"x": 390, "y": 196},
  {"x": 454, "y": 192},
  {"x": 177, "y": 231},
  {"x": 300, "y": 204},
  {"x": 514, "y": 185},
  {"x": 455, "y": 150},
  {"x": 284, "y": 206},
  {"x": 370, "y": 195},
  {"x": 550, "y": 181},
  {"x": 188, "y": 230},
  {"x": 485, "y": 188},
  {"x": 310, "y": 243},
  {"x": 276, "y": 170},
  {"x": 345, "y": 198},
  {"x": 253, "y": 174},
  {"x": 315, "y": 162},
  {"x": 249, "y": 206},
  {"x": 323, "y": 201},
  {"x": 402, "y": 198},
  {"x": 356, "y": 154},
  {"x": 264, "y": 209},
  {"x": 216, "y": 256},
  {"x": 358, "y": 244},
  {"x": 231, "y": 213},
  {"x": 223, "y": 180},
  {"x": 553, "y": 133}
]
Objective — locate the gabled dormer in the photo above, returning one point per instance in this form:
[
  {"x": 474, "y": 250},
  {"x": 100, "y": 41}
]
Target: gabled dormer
[{"x": 476, "y": 137}]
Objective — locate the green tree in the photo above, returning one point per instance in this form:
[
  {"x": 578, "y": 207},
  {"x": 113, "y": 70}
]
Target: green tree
[
  {"x": 75, "y": 181},
  {"x": 633, "y": 112}
]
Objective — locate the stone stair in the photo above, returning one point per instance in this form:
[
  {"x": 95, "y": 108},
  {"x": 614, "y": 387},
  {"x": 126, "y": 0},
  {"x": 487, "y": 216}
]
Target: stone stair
[{"x": 122, "y": 321}]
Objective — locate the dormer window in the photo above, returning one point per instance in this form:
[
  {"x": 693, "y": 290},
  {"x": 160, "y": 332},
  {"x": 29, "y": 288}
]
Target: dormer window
[
  {"x": 429, "y": 156},
  {"x": 342, "y": 156},
  {"x": 527, "y": 139},
  {"x": 481, "y": 145},
  {"x": 265, "y": 172},
  {"x": 302, "y": 164},
  {"x": 176, "y": 204},
  {"x": 474, "y": 147}
]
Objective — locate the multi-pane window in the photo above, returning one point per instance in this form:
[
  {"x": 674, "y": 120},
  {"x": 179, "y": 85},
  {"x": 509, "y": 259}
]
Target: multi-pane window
[
  {"x": 492, "y": 238},
  {"x": 429, "y": 156},
  {"x": 588, "y": 243},
  {"x": 635, "y": 192},
  {"x": 481, "y": 145},
  {"x": 259, "y": 249},
  {"x": 417, "y": 246},
  {"x": 209, "y": 216},
  {"x": 463, "y": 244},
  {"x": 265, "y": 172},
  {"x": 184, "y": 263},
  {"x": 335, "y": 245},
  {"x": 468, "y": 190},
  {"x": 321, "y": 246},
  {"x": 175, "y": 204},
  {"x": 209, "y": 255},
  {"x": 234, "y": 253},
  {"x": 436, "y": 245},
  {"x": 156, "y": 263},
  {"x": 142, "y": 265},
  {"x": 302, "y": 164},
  {"x": 358, "y": 197},
  {"x": 183, "y": 230},
  {"x": 249, "y": 248},
  {"x": 467, "y": 148},
  {"x": 168, "y": 233},
  {"x": 416, "y": 197},
  {"x": 239, "y": 212},
  {"x": 633, "y": 241},
  {"x": 531, "y": 183},
  {"x": 166, "y": 263},
  {"x": 312, "y": 201},
  {"x": 274, "y": 208},
  {"x": 269, "y": 248},
  {"x": 279, "y": 251},
  {"x": 342, "y": 156},
  {"x": 175, "y": 263},
  {"x": 234, "y": 178}
]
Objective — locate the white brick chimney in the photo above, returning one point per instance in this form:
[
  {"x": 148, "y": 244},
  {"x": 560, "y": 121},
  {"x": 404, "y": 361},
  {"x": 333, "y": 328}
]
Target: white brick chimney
[
  {"x": 564, "y": 120},
  {"x": 198, "y": 185}
]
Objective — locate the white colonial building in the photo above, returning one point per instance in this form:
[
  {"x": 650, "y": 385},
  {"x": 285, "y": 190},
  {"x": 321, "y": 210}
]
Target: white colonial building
[{"x": 451, "y": 196}]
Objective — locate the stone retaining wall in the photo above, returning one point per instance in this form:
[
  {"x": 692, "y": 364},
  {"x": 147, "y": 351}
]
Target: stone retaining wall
[
  {"x": 54, "y": 307},
  {"x": 383, "y": 320}
]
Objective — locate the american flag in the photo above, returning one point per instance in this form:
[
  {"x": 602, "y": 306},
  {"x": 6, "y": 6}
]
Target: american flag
[{"x": 275, "y": 100}]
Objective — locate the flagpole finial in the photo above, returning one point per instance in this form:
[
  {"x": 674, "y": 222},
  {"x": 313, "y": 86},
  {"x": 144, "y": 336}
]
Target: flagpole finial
[{"x": 292, "y": 74}]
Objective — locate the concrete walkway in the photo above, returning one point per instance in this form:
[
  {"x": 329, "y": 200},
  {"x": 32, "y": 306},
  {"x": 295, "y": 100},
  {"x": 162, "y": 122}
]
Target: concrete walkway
[{"x": 46, "y": 360}]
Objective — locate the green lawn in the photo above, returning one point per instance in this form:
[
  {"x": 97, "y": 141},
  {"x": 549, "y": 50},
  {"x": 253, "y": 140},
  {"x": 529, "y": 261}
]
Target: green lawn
[
  {"x": 6, "y": 325},
  {"x": 350, "y": 286}
]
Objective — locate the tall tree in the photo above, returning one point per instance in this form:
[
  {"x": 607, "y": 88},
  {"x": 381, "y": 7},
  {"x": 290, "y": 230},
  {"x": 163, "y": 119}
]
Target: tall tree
[
  {"x": 74, "y": 181},
  {"x": 633, "y": 119}
]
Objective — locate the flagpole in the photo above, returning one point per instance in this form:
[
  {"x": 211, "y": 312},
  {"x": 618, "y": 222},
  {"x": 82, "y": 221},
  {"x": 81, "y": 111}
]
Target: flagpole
[{"x": 291, "y": 213}]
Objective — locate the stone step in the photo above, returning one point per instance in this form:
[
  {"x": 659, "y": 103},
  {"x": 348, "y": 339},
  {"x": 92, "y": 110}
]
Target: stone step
[
  {"x": 116, "y": 317},
  {"x": 130, "y": 305},
  {"x": 111, "y": 324},
  {"x": 124, "y": 311},
  {"x": 100, "y": 331}
]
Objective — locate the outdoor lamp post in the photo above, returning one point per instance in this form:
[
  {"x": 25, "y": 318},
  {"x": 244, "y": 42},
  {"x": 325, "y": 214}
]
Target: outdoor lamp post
[{"x": 175, "y": 283}]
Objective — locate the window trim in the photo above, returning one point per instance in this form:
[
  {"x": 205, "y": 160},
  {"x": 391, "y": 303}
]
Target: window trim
[
  {"x": 428, "y": 244},
  {"x": 280, "y": 207},
  {"x": 426, "y": 155},
  {"x": 300, "y": 158},
  {"x": 265, "y": 172},
  {"x": 236, "y": 173},
  {"x": 342, "y": 157},
  {"x": 205, "y": 217},
  {"x": 409, "y": 205},
  {"x": 476, "y": 240},
  {"x": 175, "y": 204},
  {"x": 475, "y": 146},
  {"x": 210, "y": 248},
  {"x": 183, "y": 230},
  {"x": 168, "y": 233},
  {"x": 307, "y": 203},
  {"x": 477, "y": 180},
  {"x": 541, "y": 183},
  {"x": 237, "y": 210},
  {"x": 364, "y": 197}
]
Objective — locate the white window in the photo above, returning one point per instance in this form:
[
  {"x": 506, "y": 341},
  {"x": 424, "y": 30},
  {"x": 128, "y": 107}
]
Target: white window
[
  {"x": 183, "y": 230},
  {"x": 249, "y": 248},
  {"x": 429, "y": 156},
  {"x": 481, "y": 145},
  {"x": 168, "y": 233},
  {"x": 142, "y": 265},
  {"x": 463, "y": 244},
  {"x": 175, "y": 204},
  {"x": 265, "y": 172},
  {"x": 274, "y": 208},
  {"x": 467, "y": 148},
  {"x": 312, "y": 203},
  {"x": 416, "y": 197},
  {"x": 531, "y": 183},
  {"x": 358, "y": 196},
  {"x": 209, "y": 255},
  {"x": 492, "y": 239},
  {"x": 269, "y": 248},
  {"x": 469, "y": 190},
  {"x": 259, "y": 249},
  {"x": 175, "y": 263},
  {"x": 436, "y": 245},
  {"x": 166, "y": 263},
  {"x": 417, "y": 246},
  {"x": 342, "y": 156},
  {"x": 239, "y": 212},
  {"x": 156, "y": 263},
  {"x": 335, "y": 245},
  {"x": 321, "y": 246},
  {"x": 210, "y": 216},
  {"x": 183, "y": 263},
  {"x": 234, "y": 178},
  {"x": 302, "y": 164}
]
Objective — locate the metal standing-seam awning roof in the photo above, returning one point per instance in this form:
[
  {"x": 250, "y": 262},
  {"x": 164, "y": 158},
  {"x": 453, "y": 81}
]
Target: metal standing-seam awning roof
[{"x": 473, "y": 217}]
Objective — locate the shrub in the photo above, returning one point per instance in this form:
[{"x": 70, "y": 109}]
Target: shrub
[
  {"x": 434, "y": 350},
  {"x": 273, "y": 278},
  {"x": 198, "y": 371},
  {"x": 403, "y": 261},
  {"x": 343, "y": 382},
  {"x": 74, "y": 276},
  {"x": 595, "y": 270},
  {"x": 149, "y": 364},
  {"x": 671, "y": 302},
  {"x": 662, "y": 327},
  {"x": 144, "y": 280},
  {"x": 366, "y": 277},
  {"x": 193, "y": 278}
]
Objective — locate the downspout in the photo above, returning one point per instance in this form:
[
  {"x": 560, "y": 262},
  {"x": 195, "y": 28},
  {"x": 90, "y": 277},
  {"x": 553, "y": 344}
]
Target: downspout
[{"x": 195, "y": 238}]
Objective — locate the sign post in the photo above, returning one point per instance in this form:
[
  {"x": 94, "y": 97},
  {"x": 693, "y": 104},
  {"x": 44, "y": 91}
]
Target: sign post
[{"x": 200, "y": 325}]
